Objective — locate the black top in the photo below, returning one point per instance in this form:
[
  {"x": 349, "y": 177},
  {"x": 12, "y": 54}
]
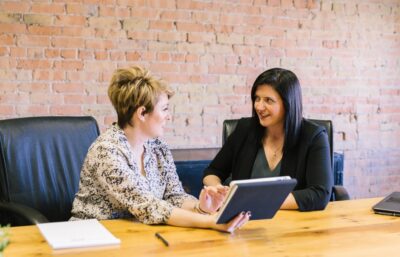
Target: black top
[
  {"x": 309, "y": 161},
  {"x": 261, "y": 167}
]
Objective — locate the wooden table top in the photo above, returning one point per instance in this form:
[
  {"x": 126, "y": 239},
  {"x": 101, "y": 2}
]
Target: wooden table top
[{"x": 347, "y": 228}]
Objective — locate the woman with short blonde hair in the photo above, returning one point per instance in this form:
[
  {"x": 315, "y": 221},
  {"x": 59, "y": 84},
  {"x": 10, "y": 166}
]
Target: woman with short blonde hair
[{"x": 129, "y": 172}]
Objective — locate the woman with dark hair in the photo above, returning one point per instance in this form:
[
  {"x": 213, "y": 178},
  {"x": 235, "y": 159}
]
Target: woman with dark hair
[{"x": 277, "y": 141}]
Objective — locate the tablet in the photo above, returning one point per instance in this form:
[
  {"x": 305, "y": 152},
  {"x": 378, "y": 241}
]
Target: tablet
[{"x": 262, "y": 196}]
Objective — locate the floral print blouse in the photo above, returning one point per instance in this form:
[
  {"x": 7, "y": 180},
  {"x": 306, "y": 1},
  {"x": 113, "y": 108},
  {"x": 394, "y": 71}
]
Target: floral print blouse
[{"x": 111, "y": 185}]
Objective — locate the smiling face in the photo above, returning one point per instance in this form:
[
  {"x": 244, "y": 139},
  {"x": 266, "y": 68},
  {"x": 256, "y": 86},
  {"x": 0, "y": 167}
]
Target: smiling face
[
  {"x": 157, "y": 119},
  {"x": 269, "y": 106}
]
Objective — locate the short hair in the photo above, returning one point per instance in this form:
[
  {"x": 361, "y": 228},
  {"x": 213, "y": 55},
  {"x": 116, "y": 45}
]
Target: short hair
[
  {"x": 133, "y": 87},
  {"x": 287, "y": 85}
]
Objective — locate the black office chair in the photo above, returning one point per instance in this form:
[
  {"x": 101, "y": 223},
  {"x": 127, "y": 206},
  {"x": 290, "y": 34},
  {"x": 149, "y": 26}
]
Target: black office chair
[
  {"x": 339, "y": 193},
  {"x": 40, "y": 164}
]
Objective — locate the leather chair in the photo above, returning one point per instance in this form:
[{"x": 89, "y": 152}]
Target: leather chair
[
  {"x": 339, "y": 193},
  {"x": 40, "y": 164}
]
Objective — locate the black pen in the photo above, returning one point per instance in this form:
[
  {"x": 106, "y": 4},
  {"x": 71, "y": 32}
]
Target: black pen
[{"x": 162, "y": 239}]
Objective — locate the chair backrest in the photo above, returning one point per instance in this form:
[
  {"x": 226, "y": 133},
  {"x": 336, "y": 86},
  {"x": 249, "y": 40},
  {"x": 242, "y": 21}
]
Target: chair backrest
[
  {"x": 327, "y": 124},
  {"x": 41, "y": 160},
  {"x": 229, "y": 126}
]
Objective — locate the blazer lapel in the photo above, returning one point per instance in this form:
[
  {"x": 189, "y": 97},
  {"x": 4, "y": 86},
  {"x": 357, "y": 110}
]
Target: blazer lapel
[{"x": 245, "y": 159}]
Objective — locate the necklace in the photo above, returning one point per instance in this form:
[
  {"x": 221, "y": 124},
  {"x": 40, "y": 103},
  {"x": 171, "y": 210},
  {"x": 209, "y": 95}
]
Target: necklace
[{"x": 276, "y": 153}]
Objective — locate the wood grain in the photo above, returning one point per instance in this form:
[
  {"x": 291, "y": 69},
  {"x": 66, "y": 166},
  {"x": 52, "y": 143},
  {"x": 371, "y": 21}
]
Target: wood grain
[{"x": 347, "y": 228}]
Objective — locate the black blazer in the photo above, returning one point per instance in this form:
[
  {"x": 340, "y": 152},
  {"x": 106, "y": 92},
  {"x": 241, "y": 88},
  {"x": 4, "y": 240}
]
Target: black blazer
[{"x": 309, "y": 161}]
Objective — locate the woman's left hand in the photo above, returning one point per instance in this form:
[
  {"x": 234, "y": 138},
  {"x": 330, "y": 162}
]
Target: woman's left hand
[{"x": 212, "y": 197}]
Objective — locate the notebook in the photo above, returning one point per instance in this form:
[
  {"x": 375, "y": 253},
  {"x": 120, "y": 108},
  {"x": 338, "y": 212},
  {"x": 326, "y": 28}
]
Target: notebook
[
  {"x": 262, "y": 196},
  {"x": 390, "y": 205},
  {"x": 73, "y": 234}
]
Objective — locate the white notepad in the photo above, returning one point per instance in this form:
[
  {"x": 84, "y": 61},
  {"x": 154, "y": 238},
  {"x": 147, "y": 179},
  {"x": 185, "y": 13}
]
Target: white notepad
[{"x": 74, "y": 234}]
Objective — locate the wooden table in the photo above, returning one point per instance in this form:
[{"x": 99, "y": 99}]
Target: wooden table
[{"x": 347, "y": 228}]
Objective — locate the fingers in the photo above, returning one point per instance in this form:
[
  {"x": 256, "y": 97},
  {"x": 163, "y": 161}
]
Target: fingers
[
  {"x": 217, "y": 189},
  {"x": 245, "y": 219},
  {"x": 216, "y": 192},
  {"x": 239, "y": 221}
]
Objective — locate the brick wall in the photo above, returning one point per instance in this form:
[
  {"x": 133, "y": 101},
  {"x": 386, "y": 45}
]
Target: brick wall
[{"x": 56, "y": 58}]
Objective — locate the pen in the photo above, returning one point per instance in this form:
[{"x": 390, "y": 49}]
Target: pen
[{"x": 162, "y": 239}]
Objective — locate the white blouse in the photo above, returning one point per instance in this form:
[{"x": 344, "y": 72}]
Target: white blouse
[{"x": 111, "y": 185}]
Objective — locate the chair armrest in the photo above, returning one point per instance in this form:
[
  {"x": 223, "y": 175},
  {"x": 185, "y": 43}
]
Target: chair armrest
[
  {"x": 340, "y": 193},
  {"x": 29, "y": 214}
]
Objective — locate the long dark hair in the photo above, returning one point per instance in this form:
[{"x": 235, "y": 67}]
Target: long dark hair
[{"x": 287, "y": 85}]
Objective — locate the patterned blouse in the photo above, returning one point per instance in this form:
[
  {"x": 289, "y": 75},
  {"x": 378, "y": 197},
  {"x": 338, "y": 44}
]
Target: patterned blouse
[{"x": 111, "y": 184}]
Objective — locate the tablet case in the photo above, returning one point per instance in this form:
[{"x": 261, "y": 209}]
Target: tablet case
[{"x": 263, "y": 197}]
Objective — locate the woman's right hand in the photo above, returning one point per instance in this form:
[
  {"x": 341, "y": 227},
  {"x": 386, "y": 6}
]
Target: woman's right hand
[
  {"x": 236, "y": 223},
  {"x": 212, "y": 197}
]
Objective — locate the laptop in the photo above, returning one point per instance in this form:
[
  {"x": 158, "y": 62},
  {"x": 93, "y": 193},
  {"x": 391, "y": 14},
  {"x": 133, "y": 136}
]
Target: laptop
[{"x": 389, "y": 206}]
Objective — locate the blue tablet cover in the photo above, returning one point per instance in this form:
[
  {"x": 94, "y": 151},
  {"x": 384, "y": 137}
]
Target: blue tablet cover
[{"x": 263, "y": 197}]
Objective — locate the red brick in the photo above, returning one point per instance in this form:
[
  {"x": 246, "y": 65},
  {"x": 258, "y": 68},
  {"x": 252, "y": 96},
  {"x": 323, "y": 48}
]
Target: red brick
[
  {"x": 133, "y": 56},
  {"x": 146, "y": 35},
  {"x": 117, "y": 56},
  {"x": 77, "y": 32},
  {"x": 101, "y": 55},
  {"x": 68, "y": 65},
  {"x": 79, "y": 76},
  {"x": 171, "y": 37},
  {"x": 69, "y": 54},
  {"x": 161, "y": 25},
  {"x": 47, "y": 8},
  {"x": 68, "y": 88},
  {"x": 38, "y": 19},
  {"x": 34, "y": 64},
  {"x": 17, "y": 51},
  {"x": 79, "y": 99},
  {"x": 68, "y": 42},
  {"x": 64, "y": 20},
  {"x": 35, "y": 53},
  {"x": 99, "y": 44},
  {"x": 29, "y": 40},
  {"x": 15, "y": 6},
  {"x": 164, "y": 67},
  {"x": 52, "y": 53},
  {"x": 7, "y": 110},
  {"x": 75, "y": 8},
  {"x": 7, "y": 39},
  {"x": 28, "y": 110},
  {"x": 65, "y": 110},
  {"x": 44, "y": 31},
  {"x": 107, "y": 11},
  {"x": 34, "y": 87},
  {"x": 8, "y": 98},
  {"x": 123, "y": 12},
  {"x": 193, "y": 27},
  {"x": 163, "y": 57},
  {"x": 10, "y": 17},
  {"x": 175, "y": 15},
  {"x": 198, "y": 37},
  {"x": 3, "y": 51},
  {"x": 13, "y": 28}
]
